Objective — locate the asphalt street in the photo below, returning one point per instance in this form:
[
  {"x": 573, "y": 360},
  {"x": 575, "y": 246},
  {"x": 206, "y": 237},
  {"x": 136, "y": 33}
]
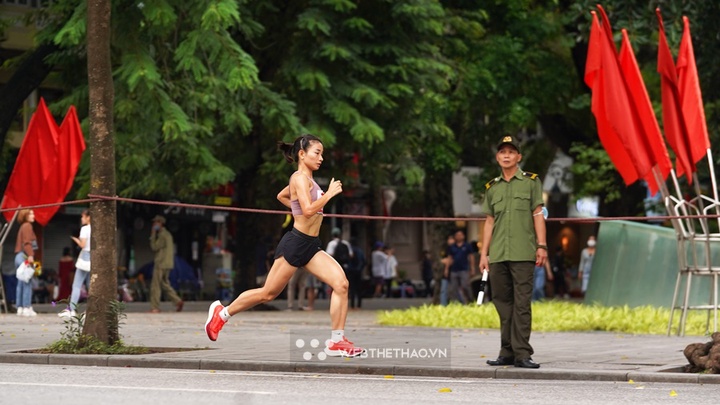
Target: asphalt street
[{"x": 34, "y": 384}]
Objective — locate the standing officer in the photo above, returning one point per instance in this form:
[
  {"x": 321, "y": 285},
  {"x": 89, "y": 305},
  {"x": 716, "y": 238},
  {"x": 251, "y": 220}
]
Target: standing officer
[{"x": 513, "y": 244}]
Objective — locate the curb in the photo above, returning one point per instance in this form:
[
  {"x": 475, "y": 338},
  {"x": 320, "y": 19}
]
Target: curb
[{"x": 501, "y": 373}]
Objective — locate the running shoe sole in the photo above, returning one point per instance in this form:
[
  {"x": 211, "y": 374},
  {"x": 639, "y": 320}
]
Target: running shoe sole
[
  {"x": 211, "y": 313},
  {"x": 355, "y": 352}
]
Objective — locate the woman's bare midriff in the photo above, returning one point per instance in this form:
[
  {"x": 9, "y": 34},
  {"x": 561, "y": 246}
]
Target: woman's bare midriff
[{"x": 308, "y": 226}]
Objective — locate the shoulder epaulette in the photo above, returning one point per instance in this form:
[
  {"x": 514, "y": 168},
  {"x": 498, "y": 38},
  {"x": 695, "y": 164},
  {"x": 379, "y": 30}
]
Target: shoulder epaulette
[
  {"x": 532, "y": 176},
  {"x": 491, "y": 182}
]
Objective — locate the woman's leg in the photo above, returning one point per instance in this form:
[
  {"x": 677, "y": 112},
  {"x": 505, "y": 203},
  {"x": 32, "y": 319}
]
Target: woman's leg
[
  {"x": 324, "y": 267},
  {"x": 277, "y": 279},
  {"x": 78, "y": 281},
  {"x": 19, "y": 258},
  {"x": 27, "y": 294}
]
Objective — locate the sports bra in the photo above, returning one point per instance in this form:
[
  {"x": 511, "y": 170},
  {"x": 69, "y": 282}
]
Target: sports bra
[{"x": 315, "y": 193}]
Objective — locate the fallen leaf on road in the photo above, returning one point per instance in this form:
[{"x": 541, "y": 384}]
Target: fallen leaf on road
[
  {"x": 444, "y": 390},
  {"x": 389, "y": 377},
  {"x": 673, "y": 393},
  {"x": 631, "y": 382}
]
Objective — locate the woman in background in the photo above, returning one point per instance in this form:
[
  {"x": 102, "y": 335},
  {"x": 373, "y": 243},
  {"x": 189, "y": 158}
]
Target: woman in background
[{"x": 25, "y": 247}]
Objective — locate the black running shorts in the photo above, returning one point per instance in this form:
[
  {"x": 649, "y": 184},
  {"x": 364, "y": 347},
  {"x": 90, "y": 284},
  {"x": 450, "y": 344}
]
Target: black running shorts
[{"x": 298, "y": 248}]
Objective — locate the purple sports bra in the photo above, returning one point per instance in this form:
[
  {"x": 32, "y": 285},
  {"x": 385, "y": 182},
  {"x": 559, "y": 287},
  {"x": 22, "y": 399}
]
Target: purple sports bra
[{"x": 315, "y": 193}]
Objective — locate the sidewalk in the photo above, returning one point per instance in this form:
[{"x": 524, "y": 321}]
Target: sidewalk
[{"x": 286, "y": 341}]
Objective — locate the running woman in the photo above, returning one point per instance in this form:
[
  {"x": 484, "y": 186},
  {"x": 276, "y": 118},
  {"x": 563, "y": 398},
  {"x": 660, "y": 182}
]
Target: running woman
[{"x": 300, "y": 247}]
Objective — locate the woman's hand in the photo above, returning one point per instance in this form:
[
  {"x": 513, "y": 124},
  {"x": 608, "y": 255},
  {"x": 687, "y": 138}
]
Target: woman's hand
[{"x": 335, "y": 187}]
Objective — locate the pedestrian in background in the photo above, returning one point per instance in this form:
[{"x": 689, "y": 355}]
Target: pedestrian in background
[
  {"x": 379, "y": 264},
  {"x": 66, "y": 274},
  {"x": 355, "y": 274},
  {"x": 390, "y": 270},
  {"x": 161, "y": 242},
  {"x": 25, "y": 248},
  {"x": 463, "y": 260},
  {"x": 586, "y": 261},
  {"x": 82, "y": 266},
  {"x": 297, "y": 282},
  {"x": 542, "y": 274},
  {"x": 514, "y": 243}
]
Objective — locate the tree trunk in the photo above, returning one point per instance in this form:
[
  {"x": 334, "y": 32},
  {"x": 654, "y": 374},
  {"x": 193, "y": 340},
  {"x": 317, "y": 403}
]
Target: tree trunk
[{"x": 101, "y": 321}]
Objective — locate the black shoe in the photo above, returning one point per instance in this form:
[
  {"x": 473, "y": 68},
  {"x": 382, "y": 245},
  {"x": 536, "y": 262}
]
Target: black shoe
[
  {"x": 502, "y": 361},
  {"x": 526, "y": 363}
]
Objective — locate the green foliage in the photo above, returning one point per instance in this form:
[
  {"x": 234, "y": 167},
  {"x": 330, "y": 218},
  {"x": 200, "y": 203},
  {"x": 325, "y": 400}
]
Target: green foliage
[
  {"x": 594, "y": 172},
  {"x": 548, "y": 316},
  {"x": 204, "y": 89},
  {"x": 73, "y": 341}
]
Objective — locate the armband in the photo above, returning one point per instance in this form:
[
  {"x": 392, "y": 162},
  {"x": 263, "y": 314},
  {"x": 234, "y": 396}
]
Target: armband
[{"x": 542, "y": 247}]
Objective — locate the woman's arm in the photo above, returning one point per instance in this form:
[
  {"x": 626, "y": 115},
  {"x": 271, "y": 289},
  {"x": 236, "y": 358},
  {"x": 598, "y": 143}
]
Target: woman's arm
[
  {"x": 301, "y": 185},
  {"x": 284, "y": 196},
  {"x": 80, "y": 242}
]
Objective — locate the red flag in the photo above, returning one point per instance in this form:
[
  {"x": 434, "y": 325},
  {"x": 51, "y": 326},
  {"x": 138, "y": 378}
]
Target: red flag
[
  {"x": 71, "y": 145},
  {"x": 35, "y": 161},
  {"x": 652, "y": 138},
  {"x": 691, "y": 97},
  {"x": 72, "y": 149},
  {"x": 673, "y": 121},
  {"x": 617, "y": 127}
]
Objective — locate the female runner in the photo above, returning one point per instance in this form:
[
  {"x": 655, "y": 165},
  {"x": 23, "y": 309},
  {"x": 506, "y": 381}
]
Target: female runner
[{"x": 299, "y": 247}]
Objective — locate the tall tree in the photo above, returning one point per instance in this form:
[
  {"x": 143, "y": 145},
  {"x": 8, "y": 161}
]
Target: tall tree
[{"x": 100, "y": 321}]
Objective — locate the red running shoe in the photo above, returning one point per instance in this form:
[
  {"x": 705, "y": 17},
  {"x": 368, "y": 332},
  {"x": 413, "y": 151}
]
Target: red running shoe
[
  {"x": 343, "y": 348},
  {"x": 214, "y": 322}
]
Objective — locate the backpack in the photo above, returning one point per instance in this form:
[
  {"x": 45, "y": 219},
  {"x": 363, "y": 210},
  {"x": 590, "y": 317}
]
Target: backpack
[
  {"x": 357, "y": 262},
  {"x": 342, "y": 254}
]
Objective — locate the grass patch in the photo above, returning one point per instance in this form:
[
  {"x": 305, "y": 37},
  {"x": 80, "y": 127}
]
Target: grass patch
[
  {"x": 551, "y": 316},
  {"x": 73, "y": 341},
  {"x": 90, "y": 345}
]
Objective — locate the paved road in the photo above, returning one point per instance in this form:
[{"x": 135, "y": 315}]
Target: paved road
[
  {"x": 33, "y": 384},
  {"x": 280, "y": 341}
]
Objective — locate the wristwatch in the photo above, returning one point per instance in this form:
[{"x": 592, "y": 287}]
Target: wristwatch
[{"x": 542, "y": 247}]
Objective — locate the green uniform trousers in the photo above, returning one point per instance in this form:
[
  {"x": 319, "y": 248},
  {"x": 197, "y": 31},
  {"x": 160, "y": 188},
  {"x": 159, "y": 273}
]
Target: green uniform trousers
[
  {"x": 511, "y": 285},
  {"x": 161, "y": 283}
]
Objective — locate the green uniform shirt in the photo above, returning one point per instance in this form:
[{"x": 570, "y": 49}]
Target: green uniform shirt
[
  {"x": 511, "y": 204},
  {"x": 163, "y": 246}
]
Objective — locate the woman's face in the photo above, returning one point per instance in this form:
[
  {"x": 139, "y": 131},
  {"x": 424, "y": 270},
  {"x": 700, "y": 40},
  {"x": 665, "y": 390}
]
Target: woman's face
[
  {"x": 84, "y": 219},
  {"x": 312, "y": 158},
  {"x": 31, "y": 216}
]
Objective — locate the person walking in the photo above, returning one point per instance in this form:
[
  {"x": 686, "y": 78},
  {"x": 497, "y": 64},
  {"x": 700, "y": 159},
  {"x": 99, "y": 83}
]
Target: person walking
[
  {"x": 25, "y": 247},
  {"x": 82, "y": 266},
  {"x": 514, "y": 243},
  {"x": 161, "y": 242},
  {"x": 463, "y": 260},
  {"x": 299, "y": 247}
]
